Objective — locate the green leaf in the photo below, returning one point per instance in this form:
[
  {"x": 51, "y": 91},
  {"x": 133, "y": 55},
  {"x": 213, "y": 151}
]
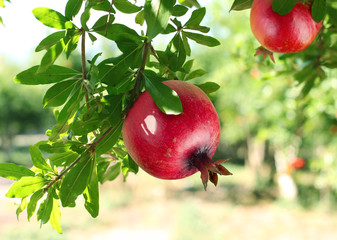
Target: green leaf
[
  {"x": 76, "y": 180},
  {"x": 126, "y": 7},
  {"x": 38, "y": 160},
  {"x": 1, "y": 21},
  {"x": 208, "y": 87},
  {"x": 166, "y": 99},
  {"x": 102, "y": 166},
  {"x": 176, "y": 53},
  {"x": 72, "y": 8},
  {"x": 54, "y": 147},
  {"x": 85, "y": 18},
  {"x": 31, "y": 207},
  {"x": 45, "y": 209},
  {"x": 186, "y": 45},
  {"x": 308, "y": 84},
  {"x": 318, "y": 10},
  {"x": 202, "y": 29},
  {"x": 129, "y": 165},
  {"x": 65, "y": 116},
  {"x": 102, "y": 5},
  {"x": 55, "y": 216},
  {"x": 14, "y": 172},
  {"x": 188, "y": 65},
  {"x": 102, "y": 23},
  {"x": 190, "y": 3},
  {"x": 22, "y": 207},
  {"x": 50, "y": 41},
  {"x": 72, "y": 44},
  {"x": 26, "y": 186},
  {"x": 91, "y": 194},
  {"x": 196, "y": 18},
  {"x": 51, "y": 55},
  {"x": 58, "y": 94},
  {"x": 52, "y": 74},
  {"x": 157, "y": 15},
  {"x": 241, "y": 5},
  {"x": 179, "y": 10},
  {"x": 332, "y": 14},
  {"x": 112, "y": 172},
  {"x": 113, "y": 108},
  {"x": 63, "y": 159},
  {"x": 109, "y": 140},
  {"x": 52, "y": 18},
  {"x": 140, "y": 18},
  {"x": 283, "y": 7},
  {"x": 195, "y": 74},
  {"x": 119, "y": 32},
  {"x": 84, "y": 127},
  {"x": 202, "y": 39}
]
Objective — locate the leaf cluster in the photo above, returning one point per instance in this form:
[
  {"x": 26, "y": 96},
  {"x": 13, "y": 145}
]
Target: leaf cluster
[{"x": 85, "y": 147}]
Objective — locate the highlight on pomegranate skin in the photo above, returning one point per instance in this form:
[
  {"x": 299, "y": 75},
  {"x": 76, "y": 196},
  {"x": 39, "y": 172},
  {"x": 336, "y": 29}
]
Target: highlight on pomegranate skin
[
  {"x": 175, "y": 146},
  {"x": 288, "y": 33}
]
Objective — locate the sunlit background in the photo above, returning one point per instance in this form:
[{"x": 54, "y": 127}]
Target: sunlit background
[{"x": 281, "y": 148}]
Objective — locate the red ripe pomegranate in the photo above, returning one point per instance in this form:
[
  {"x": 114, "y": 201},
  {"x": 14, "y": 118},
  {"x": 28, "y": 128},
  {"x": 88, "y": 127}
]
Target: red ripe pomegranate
[
  {"x": 288, "y": 33},
  {"x": 175, "y": 146}
]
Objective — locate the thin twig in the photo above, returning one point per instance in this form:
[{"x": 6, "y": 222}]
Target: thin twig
[{"x": 108, "y": 20}]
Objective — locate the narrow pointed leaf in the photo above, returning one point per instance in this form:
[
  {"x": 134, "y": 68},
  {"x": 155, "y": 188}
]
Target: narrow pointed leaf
[
  {"x": 26, "y": 186},
  {"x": 76, "y": 180},
  {"x": 51, "y": 55},
  {"x": 58, "y": 94},
  {"x": 157, "y": 15},
  {"x": 50, "y": 41},
  {"x": 31, "y": 207},
  {"x": 241, "y": 5},
  {"x": 85, "y": 18},
  {"x": 52, "y": 18},
  {"x": 126, "y": 7},
  {"x": 14, "y": 172},
  {"x": 202, "y": 39},
  {"x": 179, "y": 10},
  {"x": 166, "y": 99},
  {"x": 52, "y": 74},
  {"x": 112, "y": 172},
  {"x": 283, "y": 7},
  {"x": 55, "y": 216},
  {"x": 91, "y": 194},
  {"x": 22, "y": 207},
  {"x": 196, "y": 18},
  {"x": 209, "y": 87},
  {"x": 63, "y": 159},
  {"x": 66, "y": 115},
  {"x": 72, "y": 8},
  {"x": 318, "y": 10},
  {"x": 195, "y": 74},
  {"x": 43, "y": 214},
  {"x": 110, "y": 140},
  {"x": 38, "y": 160}
]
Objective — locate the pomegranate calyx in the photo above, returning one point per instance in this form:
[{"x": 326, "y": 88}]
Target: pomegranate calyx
[
  {"x": 210, "y": 169},
  {"x": 264, "y": 52}
]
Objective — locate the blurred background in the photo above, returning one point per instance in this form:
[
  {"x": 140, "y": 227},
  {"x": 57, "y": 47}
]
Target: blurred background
[{"x": 281, "y": 146}]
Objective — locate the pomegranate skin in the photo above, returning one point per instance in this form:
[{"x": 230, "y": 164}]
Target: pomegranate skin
[
  {"x": 288, "y": 33},
  {"x": 164, "y": 145}
]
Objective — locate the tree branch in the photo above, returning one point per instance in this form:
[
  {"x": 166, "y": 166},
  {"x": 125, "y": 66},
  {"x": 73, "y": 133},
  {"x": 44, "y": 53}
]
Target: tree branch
[{"x": 135, "y": 92}]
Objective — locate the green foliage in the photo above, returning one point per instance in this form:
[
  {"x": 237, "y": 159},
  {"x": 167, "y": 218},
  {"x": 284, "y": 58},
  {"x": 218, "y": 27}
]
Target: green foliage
[{"x": 84, "y": 147}]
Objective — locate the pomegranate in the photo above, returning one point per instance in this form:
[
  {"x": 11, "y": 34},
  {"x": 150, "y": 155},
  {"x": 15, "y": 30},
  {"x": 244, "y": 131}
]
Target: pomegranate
[
  {"x": 288, "y": 33},
  {"x": 175, "y": 146}
]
